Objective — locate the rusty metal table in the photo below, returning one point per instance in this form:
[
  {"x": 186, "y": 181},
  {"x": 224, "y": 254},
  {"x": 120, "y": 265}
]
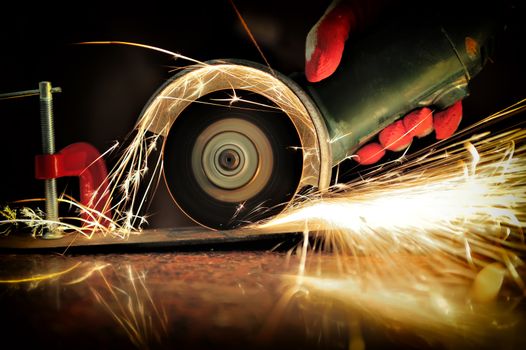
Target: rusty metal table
[{"x": 202, "y": 298}]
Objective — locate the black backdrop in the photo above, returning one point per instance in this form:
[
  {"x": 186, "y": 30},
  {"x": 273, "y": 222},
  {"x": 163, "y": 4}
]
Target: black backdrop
[{"x": 105, "y": 87}]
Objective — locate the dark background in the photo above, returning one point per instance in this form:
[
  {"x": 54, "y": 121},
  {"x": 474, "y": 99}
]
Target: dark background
[{"x": 106, "y": 87}]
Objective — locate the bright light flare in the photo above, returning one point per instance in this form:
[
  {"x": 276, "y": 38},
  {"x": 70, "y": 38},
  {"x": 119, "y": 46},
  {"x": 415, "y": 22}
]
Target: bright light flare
[{"x": 464, "y": 203}]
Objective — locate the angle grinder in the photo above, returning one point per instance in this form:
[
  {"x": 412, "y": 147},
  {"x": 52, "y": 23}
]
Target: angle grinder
[{"x": 242, "y": 141}]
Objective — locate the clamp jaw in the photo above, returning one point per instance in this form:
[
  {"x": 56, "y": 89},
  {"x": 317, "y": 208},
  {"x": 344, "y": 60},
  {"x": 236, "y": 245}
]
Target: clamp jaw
[{"x": 85, "y": 162}]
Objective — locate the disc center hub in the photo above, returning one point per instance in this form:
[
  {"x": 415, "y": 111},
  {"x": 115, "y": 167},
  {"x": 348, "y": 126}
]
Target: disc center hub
[
  {"x": 229, "y": 159},
  {"x": 232, "y": 160}
]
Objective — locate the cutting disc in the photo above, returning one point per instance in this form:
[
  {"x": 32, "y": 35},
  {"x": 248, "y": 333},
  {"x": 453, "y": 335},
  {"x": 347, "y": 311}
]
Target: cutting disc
[{"x": 229, "y": 162}]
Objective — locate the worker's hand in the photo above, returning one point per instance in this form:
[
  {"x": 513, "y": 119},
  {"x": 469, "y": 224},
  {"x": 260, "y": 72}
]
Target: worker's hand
[
  {"x": 419, "y": 123},
  {"x": 324, "y": 49}
]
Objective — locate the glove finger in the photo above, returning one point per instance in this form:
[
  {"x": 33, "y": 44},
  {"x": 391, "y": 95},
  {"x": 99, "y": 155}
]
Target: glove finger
[
  {"x": 419, "y": 123},
  {"x": 370, "y": 153},
  {"x": 447, "y": 121},
  {"x": 395, "y": 137},
  {"x": 325, "y": 41}
]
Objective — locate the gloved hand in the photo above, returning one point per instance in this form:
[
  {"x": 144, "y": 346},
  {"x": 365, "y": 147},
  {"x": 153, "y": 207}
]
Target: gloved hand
[{"x": 324, "y": 48}]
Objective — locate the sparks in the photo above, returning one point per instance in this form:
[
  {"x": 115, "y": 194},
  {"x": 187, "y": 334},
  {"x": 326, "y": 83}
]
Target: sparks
[
  {"x": 411, "y": 241},
  {"x": 410, "y": 244}
]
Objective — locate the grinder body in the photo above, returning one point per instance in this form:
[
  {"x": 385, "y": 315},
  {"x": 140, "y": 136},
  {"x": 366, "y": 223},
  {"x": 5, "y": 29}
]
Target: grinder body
[
  {"x": 396, "y": 69},
  {"x": 385, "y": 75}
]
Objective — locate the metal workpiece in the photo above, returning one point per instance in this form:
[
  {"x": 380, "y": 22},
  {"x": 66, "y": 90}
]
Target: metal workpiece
[{"x": 400, "y": 67}]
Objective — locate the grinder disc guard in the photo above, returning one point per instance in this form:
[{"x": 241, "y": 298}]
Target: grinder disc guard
[{"x": 240, "y": 141}]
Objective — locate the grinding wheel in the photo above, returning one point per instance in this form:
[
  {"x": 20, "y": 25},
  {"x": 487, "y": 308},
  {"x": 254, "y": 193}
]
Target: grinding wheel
[{"x": 228, "y": 164}]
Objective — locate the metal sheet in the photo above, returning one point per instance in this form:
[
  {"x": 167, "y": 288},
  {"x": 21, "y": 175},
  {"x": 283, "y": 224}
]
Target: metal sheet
[{"x": 175, "y": 237}]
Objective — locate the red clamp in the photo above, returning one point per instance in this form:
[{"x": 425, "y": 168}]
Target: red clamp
[{"x": 82, "y": 160}]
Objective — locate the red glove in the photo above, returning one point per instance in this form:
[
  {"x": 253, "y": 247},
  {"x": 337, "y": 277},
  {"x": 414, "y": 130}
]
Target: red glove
[{"x": 324, "y": 48}]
